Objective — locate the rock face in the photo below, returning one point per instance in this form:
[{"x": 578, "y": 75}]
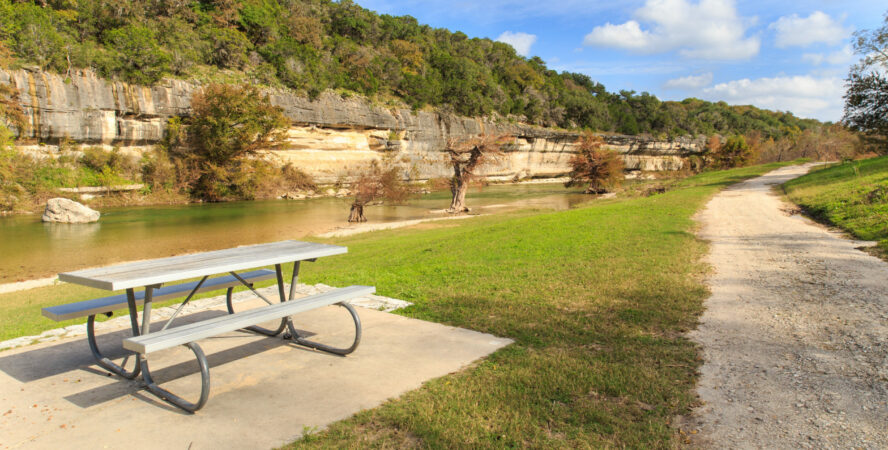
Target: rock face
[
  {"x": 331, "y": 137},
  {"x": 68, "y": 211}
]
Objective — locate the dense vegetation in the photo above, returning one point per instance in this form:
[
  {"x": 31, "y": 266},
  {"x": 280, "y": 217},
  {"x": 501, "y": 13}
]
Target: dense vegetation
[
  {"x": 852, "y": 195},
  {"x": 314, "y": 45}
]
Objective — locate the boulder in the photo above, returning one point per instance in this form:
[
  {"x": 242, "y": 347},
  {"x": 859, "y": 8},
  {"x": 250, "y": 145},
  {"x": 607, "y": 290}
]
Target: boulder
[{"x": 68, "y": 211}]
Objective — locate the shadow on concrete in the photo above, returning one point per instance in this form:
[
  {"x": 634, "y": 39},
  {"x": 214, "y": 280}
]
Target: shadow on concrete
[{"x": 75, "y": 356}]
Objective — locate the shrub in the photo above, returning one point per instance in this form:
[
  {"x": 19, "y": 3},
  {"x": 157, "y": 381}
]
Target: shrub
[
  {"x": 599, "y": 168},
  {"x": 735, "y": 152}
]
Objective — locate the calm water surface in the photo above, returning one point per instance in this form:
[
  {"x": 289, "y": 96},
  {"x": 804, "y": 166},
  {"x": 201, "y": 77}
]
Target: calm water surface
[{"x": 31, "y": 249}]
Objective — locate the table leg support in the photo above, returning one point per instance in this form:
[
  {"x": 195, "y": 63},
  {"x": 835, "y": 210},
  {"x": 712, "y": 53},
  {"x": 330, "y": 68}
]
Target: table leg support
[
  {"x": 173, "y": 398},
  {"x": 326, "y": 348},
  {"x": 256, "y": 329},
  {"x": 103, "y": 361},
  {"x": 146, "y": 372}
]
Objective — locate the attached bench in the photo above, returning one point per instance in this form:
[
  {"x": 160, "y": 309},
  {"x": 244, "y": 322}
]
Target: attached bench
[
  {"x": 188, "y": 334},
  {"x": 107, "y": 305}
]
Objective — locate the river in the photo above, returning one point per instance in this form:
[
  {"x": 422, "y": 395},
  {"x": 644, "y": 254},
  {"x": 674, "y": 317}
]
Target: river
[{"x": 31, "y": 249}]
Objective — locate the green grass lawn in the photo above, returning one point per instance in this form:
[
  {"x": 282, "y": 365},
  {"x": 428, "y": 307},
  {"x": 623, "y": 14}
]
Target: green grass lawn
[
  {"x": 852, "y": 196},
  {"x": 597, "y": 300}
]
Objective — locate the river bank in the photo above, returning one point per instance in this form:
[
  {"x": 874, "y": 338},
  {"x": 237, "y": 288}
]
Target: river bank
[
  {"x": 350, "y": 230},
  {"x": 35, "y": 250}
]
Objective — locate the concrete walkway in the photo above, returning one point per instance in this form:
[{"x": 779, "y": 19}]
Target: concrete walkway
[{"x": 265, "y": 392}]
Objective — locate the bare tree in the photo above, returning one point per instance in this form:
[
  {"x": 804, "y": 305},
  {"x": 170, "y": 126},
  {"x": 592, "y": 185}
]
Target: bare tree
[
  {"x": 377, "y": 183},
  {"x": 466, "y": 156}
]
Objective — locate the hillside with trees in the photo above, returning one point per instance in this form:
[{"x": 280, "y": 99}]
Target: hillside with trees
[{"x": 311, "y": 46}]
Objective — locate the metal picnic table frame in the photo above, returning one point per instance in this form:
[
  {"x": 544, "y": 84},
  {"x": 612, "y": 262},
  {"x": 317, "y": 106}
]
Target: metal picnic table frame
[{"x": 153, "y": 273}]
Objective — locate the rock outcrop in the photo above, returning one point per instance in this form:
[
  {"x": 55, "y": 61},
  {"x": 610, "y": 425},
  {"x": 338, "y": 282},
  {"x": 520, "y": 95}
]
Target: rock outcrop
[
  {"x": 331, "y": 136},
  {"x": 68, "y": 211}
]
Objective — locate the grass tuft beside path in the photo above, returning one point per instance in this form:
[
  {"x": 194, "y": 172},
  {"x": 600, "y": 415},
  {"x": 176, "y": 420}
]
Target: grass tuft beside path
[
  {"x": 597, "y": 300},
  {"x": 852, "y": 196}
]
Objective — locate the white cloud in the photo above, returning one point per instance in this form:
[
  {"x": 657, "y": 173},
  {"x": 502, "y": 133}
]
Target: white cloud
[
  {"x": 689, "y": 82},
  {"x": 628, "y": 36},
  {"x": 842, "y": 57},
  {"x": 805, "y": 96},
  {"x": 819, "y": 27},
  {"x": 709, "y": 29},
  {"x": 520, "y": 41}
]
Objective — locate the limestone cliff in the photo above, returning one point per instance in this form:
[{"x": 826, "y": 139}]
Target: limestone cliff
[{"x": 330, "y": 138}]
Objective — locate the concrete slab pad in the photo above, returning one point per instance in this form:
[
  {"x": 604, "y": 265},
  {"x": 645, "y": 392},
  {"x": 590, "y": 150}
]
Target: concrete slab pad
[{"x": 265, "y": 391}]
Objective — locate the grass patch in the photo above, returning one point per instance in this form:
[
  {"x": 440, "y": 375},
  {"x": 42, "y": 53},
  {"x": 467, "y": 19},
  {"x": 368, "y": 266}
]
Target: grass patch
[
  {"x": 597, "y": 300},
  {"x": 852, "y": 196}
]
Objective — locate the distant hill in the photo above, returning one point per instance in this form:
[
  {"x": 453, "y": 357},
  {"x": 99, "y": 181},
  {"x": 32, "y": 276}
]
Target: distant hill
[{"x": 314, "y": 45}]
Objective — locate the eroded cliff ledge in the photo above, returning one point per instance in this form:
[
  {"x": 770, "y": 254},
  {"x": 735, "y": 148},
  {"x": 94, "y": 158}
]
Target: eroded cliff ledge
[{"x": 331, "y": 137}]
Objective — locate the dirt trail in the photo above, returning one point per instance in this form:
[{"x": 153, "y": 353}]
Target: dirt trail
[{"x": 795, "y": 335}]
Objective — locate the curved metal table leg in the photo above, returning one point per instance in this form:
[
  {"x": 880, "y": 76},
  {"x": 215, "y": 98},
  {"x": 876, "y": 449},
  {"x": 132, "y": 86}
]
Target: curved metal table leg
[
  {"x": 323, "y": 347},
  {"x": 256, "y": 329},
  {"x": 102, "y": 360},
  {"x": 173, "y": 398}
]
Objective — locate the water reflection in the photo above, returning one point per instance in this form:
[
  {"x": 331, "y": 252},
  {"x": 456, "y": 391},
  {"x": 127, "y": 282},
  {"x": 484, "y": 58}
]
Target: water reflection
[
  {"x": 58, "y": 232},
  {"x": 32, "y": 249}
]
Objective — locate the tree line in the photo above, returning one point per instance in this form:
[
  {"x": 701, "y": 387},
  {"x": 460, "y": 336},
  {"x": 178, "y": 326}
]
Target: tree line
[{"x": 311, "y": 46}]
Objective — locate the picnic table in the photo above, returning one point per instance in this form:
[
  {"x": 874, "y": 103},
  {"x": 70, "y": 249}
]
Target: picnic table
[{"x": 154, "y": 274}]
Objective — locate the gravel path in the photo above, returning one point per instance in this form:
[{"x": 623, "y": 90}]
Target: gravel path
[{"x": 795, "y": 334}]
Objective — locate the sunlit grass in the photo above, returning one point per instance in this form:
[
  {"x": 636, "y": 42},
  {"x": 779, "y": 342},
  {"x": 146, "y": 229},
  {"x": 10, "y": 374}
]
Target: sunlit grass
[
  {"x": 597, "y": 300},
  {"x": 852, "y": 196}
]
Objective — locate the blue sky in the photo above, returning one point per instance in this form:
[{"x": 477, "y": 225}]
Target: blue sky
[{"x": 782, "y": 55}]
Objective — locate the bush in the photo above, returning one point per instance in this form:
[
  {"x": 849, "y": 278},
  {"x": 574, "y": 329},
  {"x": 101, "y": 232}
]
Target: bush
[
  {"x": 600, "y": 169},
  {"x": 211, "y": 154},
  {"x": 99, "y": 160},
  {"x": 735, "y": 152}
]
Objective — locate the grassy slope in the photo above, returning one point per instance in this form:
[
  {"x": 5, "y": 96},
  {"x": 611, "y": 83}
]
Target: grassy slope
[
  {"x": 596, "y": 299},
  {"x": 853, "y": 196}
]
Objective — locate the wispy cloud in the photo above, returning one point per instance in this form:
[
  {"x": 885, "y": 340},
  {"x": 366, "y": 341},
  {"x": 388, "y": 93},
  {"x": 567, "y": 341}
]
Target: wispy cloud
[
  {"x": 689, "y": 82},
  {"x": 709, "y": 30},
  {"x": 819, "y": 27},
  {"x": 622, "y": 68},
  {"x": 842, "y": 57},
  {"x": 520, "y": 41},
  {"x": 805, "y": 95}
]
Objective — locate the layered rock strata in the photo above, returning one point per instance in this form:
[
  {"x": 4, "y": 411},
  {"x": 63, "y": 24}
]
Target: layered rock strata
[{"x": 331, "y": 137}]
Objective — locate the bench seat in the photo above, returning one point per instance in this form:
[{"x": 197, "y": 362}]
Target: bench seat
[
  {"x": 208, "y": 328},
  {"x": 116, "y": 302}
]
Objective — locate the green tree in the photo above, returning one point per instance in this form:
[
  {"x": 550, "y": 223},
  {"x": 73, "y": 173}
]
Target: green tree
[
  {"x": 866, "y": 100},
  {"x": 735, "y": 152},
  {"x": 142, "y": 60},
  {"x": 228, "y": 123},
  {"x": 35, "y": 36}
]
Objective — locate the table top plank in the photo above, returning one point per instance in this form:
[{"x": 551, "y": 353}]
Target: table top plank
[{"x": 176, "y": 268}]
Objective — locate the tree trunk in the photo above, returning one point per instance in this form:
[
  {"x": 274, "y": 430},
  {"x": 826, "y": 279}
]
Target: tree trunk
[
  {"x": 357, "y": 213},
  {"x": 458, "y": 202}
]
